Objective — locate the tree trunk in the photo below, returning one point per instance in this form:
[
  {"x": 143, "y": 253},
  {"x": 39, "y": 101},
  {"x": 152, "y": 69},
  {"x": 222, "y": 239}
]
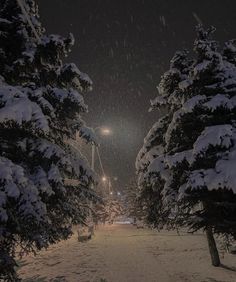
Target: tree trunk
[{"x": 215, "y": 259}]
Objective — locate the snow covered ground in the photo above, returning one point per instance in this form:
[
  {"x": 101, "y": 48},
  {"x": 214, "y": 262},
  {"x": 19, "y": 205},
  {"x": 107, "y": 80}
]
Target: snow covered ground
[{"x": 123, "y": 253}]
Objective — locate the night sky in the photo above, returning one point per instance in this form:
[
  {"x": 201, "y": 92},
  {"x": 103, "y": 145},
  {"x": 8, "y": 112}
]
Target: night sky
[{"x": 125, "y": 46}]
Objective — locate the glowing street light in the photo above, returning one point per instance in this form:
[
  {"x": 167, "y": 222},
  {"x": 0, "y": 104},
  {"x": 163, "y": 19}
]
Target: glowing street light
[
  {"x": 104, "y": 179},
  {"x": 106, "y": 131}
]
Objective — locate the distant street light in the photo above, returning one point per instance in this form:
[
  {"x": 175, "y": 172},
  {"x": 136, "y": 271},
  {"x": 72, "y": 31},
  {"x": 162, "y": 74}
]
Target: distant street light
[
  {"x": 105, "y": 131},
  {"x": 104, "y": 179}
]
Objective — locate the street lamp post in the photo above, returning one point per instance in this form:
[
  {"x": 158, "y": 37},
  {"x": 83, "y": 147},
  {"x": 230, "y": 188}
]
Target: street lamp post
[
  {"x": 104, "y": 131},
  {"x": 93, "y": 157},
  {"x": 109, "y": 184}
]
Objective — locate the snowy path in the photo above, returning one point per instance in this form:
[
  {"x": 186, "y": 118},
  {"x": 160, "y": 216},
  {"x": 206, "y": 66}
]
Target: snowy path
[{"x": 122, "y": 253}]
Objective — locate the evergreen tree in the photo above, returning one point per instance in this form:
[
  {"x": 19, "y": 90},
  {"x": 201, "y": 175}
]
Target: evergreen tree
[
  {"x": 197, "y": 162},
  {"x": 150, "y": 183},
  {"x": 133, "y": 206},
  {"x": 108, "y": 210},
  {"x": 45, "y": 185},
  {"x": 229, "y": 51}
]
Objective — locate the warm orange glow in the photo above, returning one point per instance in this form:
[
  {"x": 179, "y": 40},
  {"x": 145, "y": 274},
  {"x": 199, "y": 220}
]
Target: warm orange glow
[{"x": 106, "y": 131}]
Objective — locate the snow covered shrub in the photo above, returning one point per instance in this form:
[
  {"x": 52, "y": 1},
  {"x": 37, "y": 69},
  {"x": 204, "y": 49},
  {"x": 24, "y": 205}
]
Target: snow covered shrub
[
  {"x": 187, "y": 165},
  {"x": 45, "y": 184}
]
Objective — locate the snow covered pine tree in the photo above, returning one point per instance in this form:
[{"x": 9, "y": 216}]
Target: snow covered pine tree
[
  {"x": 189, "y": 156},
  {"x": 44, "y": 183},
  {"x": 151, "y": 184},
  {"x": 133, "y": 208}
]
